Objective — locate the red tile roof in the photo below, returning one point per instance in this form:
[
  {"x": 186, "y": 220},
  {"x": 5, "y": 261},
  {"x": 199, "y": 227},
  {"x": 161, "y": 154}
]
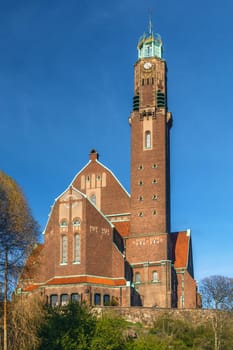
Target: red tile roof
[
  {"x": 30, "y": 288},
  {"x": 122, "y": 227},
  {"x": 181, "y": 249},
  {"x": 86, "y": 279},
  {"x": 77, "y": 280}
]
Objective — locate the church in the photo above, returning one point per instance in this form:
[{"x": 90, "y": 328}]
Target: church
[{"x": 104, "y": 246}]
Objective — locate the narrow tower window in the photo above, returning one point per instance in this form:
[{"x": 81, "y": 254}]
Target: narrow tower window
[{"x": 147, "y": 139}]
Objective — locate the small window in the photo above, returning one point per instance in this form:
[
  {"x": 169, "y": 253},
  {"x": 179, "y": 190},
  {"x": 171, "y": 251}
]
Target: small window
[
  {"x": 154, "y": 181},
  {"x": 154, "y": 197},
  {"x": 64, "y": 223},
  {"x": 140, "y": 198},
  {"x": 54, "y": 300},
  {"x": 154, "y": 212},
  {"x": 64, "y": 299},
  {"x": 75, "y": 298},
  {"x": 88, "y": 178},
  {"x": 140, "y": 214},
  {"x": 152, "y": 81},
  {"x": 140, "y": 167},
  {"x": 155, "y": 276},
  {"x": 147, "y": 139},
  {"x": 97, "y": 299},
  {"x": 64, "y": 249},
  {"x": 140, "y": 183},
  {"x": 154, "y": 166},
  {"x": 148, "y": 81},
  {"x": 106, "y": 299},
  {"x": 76, "y": 222},
  {"x": 137, "y": 277}
]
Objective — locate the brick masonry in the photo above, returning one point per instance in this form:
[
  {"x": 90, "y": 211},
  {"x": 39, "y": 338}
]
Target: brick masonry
[{"x": 99, "y": 240}]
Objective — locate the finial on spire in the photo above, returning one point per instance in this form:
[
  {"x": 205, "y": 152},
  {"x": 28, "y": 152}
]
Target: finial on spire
[{"x": 150, "y": 22}]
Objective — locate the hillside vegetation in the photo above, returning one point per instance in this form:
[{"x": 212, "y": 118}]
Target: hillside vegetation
[{"x": 77, "y": 327}]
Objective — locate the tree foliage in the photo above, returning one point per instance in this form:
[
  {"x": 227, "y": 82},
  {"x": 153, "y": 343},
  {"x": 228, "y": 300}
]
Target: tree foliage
[
  {"x": 18, "y": 232},
  {"x": 75, "y": 327},
  {"x": 217, "y": 292},
  {"x": 70, "y": 327},
  {"x": 26, "y": 317},
  {"x": 18, "y": 229}
]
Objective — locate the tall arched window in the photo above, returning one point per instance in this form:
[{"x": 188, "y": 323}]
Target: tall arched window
[
  {"x": 77, "y": 248},
  {"x": 147, "y": 139},
  {"x": 64, "y": 249}
]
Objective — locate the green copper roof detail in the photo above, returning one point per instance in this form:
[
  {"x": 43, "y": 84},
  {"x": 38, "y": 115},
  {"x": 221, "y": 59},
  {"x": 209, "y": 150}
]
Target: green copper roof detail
[{"x": 150, "y": 44}]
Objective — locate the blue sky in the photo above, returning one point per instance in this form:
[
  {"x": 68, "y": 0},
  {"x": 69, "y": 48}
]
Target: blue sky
[{"x": 66, "y": 86}]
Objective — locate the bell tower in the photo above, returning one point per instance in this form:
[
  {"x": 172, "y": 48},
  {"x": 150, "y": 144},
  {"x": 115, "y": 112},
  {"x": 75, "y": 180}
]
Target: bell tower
[
  {"x": 147, "y": 245},
  {"x": 150, "y": 122}
]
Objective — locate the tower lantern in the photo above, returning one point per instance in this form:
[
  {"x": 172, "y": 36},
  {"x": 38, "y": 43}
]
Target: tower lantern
[{"x": 150, "y": 45}]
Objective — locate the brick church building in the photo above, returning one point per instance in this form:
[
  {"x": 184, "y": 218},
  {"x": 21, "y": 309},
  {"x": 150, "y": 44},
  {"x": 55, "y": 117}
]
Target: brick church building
[{"x": 105, "y": 246}]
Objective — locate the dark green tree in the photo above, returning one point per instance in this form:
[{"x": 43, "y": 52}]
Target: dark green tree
[
  {"x": 110, "y": 334},
  {"x": 70, "y": 327}
]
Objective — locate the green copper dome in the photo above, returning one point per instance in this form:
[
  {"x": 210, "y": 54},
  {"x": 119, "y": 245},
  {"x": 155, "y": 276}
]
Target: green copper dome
[{"x": 150, "y": 45}]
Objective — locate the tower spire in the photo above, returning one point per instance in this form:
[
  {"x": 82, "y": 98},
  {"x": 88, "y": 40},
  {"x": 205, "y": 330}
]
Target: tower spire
[{"x": 150, "y": 26}]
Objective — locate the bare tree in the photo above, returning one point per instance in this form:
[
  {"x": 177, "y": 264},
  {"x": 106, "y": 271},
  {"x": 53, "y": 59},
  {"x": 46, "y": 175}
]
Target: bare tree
[
  {"x": 217, "y": 293},
  {"x": 26, "y": 317},
  {"x": 18, "y": 233}
]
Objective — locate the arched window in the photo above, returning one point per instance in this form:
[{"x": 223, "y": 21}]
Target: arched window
[
  {"x": 77, "y": 248},
  {"x": 76, "y": 222},
  {"x": 97, "y": 299},
  {"x": 53, "y": 300},
  {"x": 64, "y": 223},
  {"x": 147, "y": 139},
  {"x": 106, "y": 299},
  {"x": 64, "y": 299},
  {"x": 137, "y": 277},
  {"x": 64, "y": 249},
  {"x": 75, "y": 298},
  {"x": 155, "y": 276}
]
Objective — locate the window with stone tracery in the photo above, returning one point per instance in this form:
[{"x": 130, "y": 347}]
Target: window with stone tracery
[
  {"x": 77, "y": 248},
  {"x": 64, "y": 252}
]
